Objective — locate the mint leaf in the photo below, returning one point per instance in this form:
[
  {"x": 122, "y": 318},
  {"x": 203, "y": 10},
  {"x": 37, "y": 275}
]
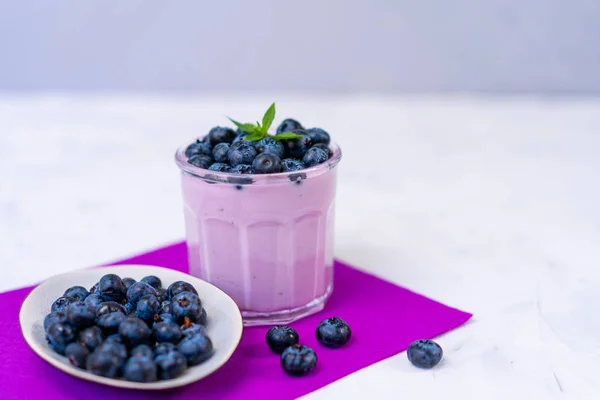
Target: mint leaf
[
  {"x": 255, "y": 136},
  {"x": 287, "y": 135},
  {"x": 268, "y": 118},
  {"x": 248, "y": 128}
]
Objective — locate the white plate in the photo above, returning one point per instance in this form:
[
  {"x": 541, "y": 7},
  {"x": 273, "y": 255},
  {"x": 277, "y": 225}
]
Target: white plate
[{"x": 224, "y": 321}]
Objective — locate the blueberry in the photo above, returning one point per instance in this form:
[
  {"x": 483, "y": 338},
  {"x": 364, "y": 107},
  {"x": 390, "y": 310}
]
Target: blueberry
[
  {"x": 189, "y": 328},
  {"x": 147, "y": 307},
  {"x": 134, "y": 331},
  {"x": 140, "y": 369},
  {"x": 143, "y": 350},
  {"x": 79, "y": 293},
  {"x": 289, "y": 125},
  {"x": 165, "y": 306},
  {"x": 59, "y": 335},
  {"x": 138, "y": 290},
  {"x": 198, "y": 148},
  {"x": 164, "y": 317},
  {"x": 424, "y": 353},
  {"x": 220, "y": 152},
  {"x": 164, "y": 348},
  {"x": 94, "y": 289},
  {"x": 292, "y": 164},
  {"x": 314, "y": 156},
  {"x": 161, "y": 294},
  {"x": 129, "y": 308},
  {"x": 179, "y": 286},
  {"x": 128, "y": 282},
  {"x": 196, "y": 348},
  {"x": 77, "y": 354},
  {"x": 201, "y": 161},
  {"x": 325, "y": 148},
  {"x": 243, "y": 169},
  {"x": 104, "y": 363},
  {"x": 186, "y": 304},
  {"x": 167, "y": 331},
  {"x": 242, "y": 153},
  {"x": 281, "y": 337},
  {"x": 109, "y": 323},
  {"x": 61, "y": 303},
  {"x": 240, "y": 135},
  {"x": 108, "y": 307},
  {"x": 94, "y": 300},
  {"x": 298, "y": 360},
  {"x": 112, "y": 288},
  {"x": 220, "y": 135},
  {"x": 55, "y": 316},
  {"x": 203, "y": 318},
  {"x": 270, "y": 145},
  {"x": 220, "y": 167},
  {"x": 170, "y": 365},
  {"x": 333, "y": 332},
  {"x": 114, "y": 339},
  {"x": 91, "y": 337},
  {"x": 153, "y": 281},
  {"x": 297, "y": 147},
  {"x": 267, "y": 163},
  {"x": 318, "y": 135},
  {"x": 81, "y": 314}
]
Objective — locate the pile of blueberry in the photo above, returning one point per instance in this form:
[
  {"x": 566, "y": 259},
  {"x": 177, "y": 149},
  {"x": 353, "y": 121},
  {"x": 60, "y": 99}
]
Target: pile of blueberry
[
  {"x": 135, "y": 330},
  {"x": 297, "y": 359},
  {"x": 251, "y": 150}
]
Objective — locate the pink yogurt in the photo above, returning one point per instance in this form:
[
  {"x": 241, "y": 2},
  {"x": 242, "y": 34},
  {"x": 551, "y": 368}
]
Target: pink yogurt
[{"x": 267, "y": 244}]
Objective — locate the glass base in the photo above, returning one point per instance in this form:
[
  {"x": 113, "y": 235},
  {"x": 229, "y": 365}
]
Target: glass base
[{"x": 253, "y": 318}]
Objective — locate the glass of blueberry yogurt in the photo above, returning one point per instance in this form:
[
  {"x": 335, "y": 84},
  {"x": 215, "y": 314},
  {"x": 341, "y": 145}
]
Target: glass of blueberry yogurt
[{"x": 259, "y": 215}]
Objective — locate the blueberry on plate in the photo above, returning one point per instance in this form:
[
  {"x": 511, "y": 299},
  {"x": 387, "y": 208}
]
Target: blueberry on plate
[
  {"x": 104, "y": 362},
  {"x": 292, "y": 164},
  {"x": 314, "y": 156},
  {"x": 220, "y": 135},
  {"x": 128, "y": 282},
  {"x": 270, "y": 145},
  {"x": 91, "y": 337},
  {"x": 112, "y": 288},
  {"x": 281, "y": 337},
  {"x": 77, "y": 354},
  {"x": 164, "y": 348},
  {"x": 198, "y": 148},
  {"x": 134, "y": 331},
  {"x": 108, "y": 307},
  {"x": 140, "y": 369},
  {"x": 289, "y": 125},
  {"x": 81, "y": 314},
  {"x": 190, "y": 328},
  {"x": 147, "y": 307},
  {"x": 196, "y": 348},
  {"x": 61, "y": 303},
  {"x": 242, "y": 153},
  {"x": 170, "y": 365},
  {"x": 220, "y": 152},
  {"x": 54, "y": 316},
  {"x": 186, "y": 304},
  {"x": 201, "y": 161},
  {"x": 297, "y": 147},
  {"x": 153, "y": 281},
  {"x": 59, "y": 335},
  {"x": 143, "y": 350},
  {"x": 94, "y": 300},
  {"x": 164, "y": 317},
  {"x": 138, "y": 290},
  {"x": 267, "y": 163},
  {"x": 179, "y": 286},
  {"x": 425, "y": 353},
  {"x": 298, "y": 360},
  {"x": 318, "y": 135},
  {"x": 167, "y": 331},
  {"x": 333, "y": 332},
  {"x": 79, "y": 293},
  {"x": 220, "y": 167},
  {"x": 109, "y": 323}
]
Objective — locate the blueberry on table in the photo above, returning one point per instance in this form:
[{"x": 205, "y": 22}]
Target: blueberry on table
[
  {"x": 170, "y": 365},
  {"x": 134, "y": 331},
  {"x": 318, "y": 135},
  {"x": 281, "y": 337},
  {"x": 143, "y": 350},
  {"x": 104, "y": 363},
  {"x": 270, "y": 145},
  {"x": 109, "y": 323},
  {"x": 108, "y": 307},
  {"x": 201, "y": 161},
  {"x": 297, "y": 147},
  {"x": 140, "y": 369},
  {"x": 91, "y": 337},
  {"x": 196, "y": 348},
  {"x": 138, "y": 290},
  {"x": 292, "y": 164},
  {"x": 147, "y": 307},
  {"x": 180, "y": 286},
  {"x": 167, "y": 331},
  {"x": 81, "y": 314},
  {"x": 164, "y": 348},
  {"x": 59, "y": 335},
  {"x": 267, "y": 163},
  {"x": 153, "y": 281},
  {"x": 242, "y": 153},
  {"x": 112, "y": 288},
  {"x": 186, "y": 304},
  {"x": 94, "y": 300},
  {"x": 61, "y": 303},
  {"x": 55, "y": 316},
  {"x": 298, "y": 360},
  {"x": 198, "y": 148},
  {"x": 77, "y": 354},
  {"x": 289, "y": 125},
  {"x": 79, "y": 293},
  {"x": 424, "y": 353},
  {"x": 314, "y": 156},
  {"x": 220, "y": 152},
  {"x": 333, "y": 332},
  {"x": 220, "y": 135},
  {"x": 128, "y": 282}
]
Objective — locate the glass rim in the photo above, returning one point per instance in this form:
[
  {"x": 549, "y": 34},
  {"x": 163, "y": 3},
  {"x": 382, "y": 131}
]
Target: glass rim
[{"x": 226, "y": 177}]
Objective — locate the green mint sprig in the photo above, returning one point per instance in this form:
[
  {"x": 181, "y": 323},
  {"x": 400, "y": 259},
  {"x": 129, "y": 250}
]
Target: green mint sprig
[{"x": 261, "y": 131}]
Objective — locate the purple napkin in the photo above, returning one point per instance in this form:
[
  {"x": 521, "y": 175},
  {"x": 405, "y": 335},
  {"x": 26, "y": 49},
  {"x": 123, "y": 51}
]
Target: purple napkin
[{"x": 253, "y": 371}]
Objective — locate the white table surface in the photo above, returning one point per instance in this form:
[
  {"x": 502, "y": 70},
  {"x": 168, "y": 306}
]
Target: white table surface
[{"x": 491, "y": 205}]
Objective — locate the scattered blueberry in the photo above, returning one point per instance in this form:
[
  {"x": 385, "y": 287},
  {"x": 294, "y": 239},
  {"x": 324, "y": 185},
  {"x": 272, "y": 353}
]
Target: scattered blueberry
[
  {"x": 94, "y": 299},
  {"x": 128, "y": 282},
  {"x": 220, "y": 152},
  {"x": 77, "y": 354},
  {"x": 314, "y": 156},
  {"x": 267, "y": 163},
  {"x": 80, "y": 314},
  {"x": 91, "y": 337},
  {"x": 109, "y": 323},
  {"x": 291, "y": 164},
  {"x": 281, "y": 337},
  {"x": 79, "y": 293},
  {"x": 201, "y": 161},
  {"x": 242, "y": 169},
  {"x": 196, "y": 348},
  {"x": 179, "y": 286},
  {"x": 134, "y": 331},
  {"x": 289, "y": 125},
  {"x": 138, "y": 290},
  {"x": 153, "y": 281},
  {"x": 220, "y": 135},
  {"x": 104, "y": 363},
  {"x": 112, "y": 288},
  {"x": 297, "y": 147},
  {"x": 186, "y": 304},
  {"x": 61, "y": 303},
  {"x": 59, "y": 335},
  {"x": 333, "y": 332},
  {"x": 54, "y": 316},
  {"x": 108, "y": 307},
  {"x": 170, "y": 365},
  {"x": 318, "y": 135},
  {"x": 198, "y": 148},
  {"x": 143, "y": 350},
  {"x": 220, "y": 167},
  {"x": 167, "y": 331},
  {"x": 140, "y": 369},
  {"x": 270, "y": 145},
  {"x": 243, "y": 153},
  {"x": 164, "y": 348},
  {"x": 425, "y": 353},
  {"x": 147, "y": 307},
  {"x": 298, "y": 360}
]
